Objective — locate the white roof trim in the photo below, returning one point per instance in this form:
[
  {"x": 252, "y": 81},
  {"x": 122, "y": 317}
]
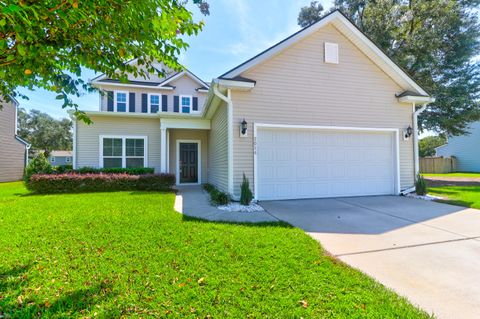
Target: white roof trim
[
  {"x": 416, "y": 99},
  {"x": 100, "y": 84},
  {"x": 182, "y": 73},
  {"x": 343, "y": 25},
  {"x": 234, "y": 84}
]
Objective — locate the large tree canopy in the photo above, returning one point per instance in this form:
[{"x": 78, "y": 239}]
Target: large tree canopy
[
  {"x": 46, "y": 43},
  {"x": 436, "y": 42},
  {"x": 44, "y": 132},
  {"x": 427, "y": 145}
]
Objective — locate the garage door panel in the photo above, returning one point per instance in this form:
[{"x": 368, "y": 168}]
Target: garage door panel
[{"x": 320, "y": 163}]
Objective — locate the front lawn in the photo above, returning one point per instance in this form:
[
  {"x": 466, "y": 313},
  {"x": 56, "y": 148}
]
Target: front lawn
[
  {"x": 129, "y": 254},
  {"x": 467, "y": 175},
  {"x": 468, "y": 196}
]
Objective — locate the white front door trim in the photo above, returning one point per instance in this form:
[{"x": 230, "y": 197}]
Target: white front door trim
[
  {"x": 199, "y": 161},
  {"x": 396, "y": 132}
]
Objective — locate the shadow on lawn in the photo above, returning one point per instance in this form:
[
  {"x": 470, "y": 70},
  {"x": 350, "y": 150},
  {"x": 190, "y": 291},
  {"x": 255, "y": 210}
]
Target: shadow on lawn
[
  {"x": 14, "y": 305},
  {"x": 187, "y": 218}
]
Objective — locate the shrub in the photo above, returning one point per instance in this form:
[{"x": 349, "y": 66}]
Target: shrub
[
  {"x": 38, "y": 165},
  {"x": 217, "y": 197},
  {"x": 129, "y": 171},
  {"x": 76, "y": 183},
  {"x": 420, "y": 185},
  {"x": 246, "y": 195}
]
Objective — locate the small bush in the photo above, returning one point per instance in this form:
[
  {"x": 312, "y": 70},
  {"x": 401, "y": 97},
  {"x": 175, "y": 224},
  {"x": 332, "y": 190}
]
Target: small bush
[
  {"x": 76, "y": 183},
  {"x": 129, "y": 171},
  {"x": 420, "y": 185},
  {"x": 38, "y": 165},
  {"x": 217, "y": 197},
  {"x": 246, "y": 195}
]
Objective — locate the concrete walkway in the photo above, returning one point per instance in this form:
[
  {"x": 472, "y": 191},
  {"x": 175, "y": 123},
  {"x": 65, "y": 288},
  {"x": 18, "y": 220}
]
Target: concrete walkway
[
  {"x": 194, "y": 201},
  {"x": 426, "y": 251}
]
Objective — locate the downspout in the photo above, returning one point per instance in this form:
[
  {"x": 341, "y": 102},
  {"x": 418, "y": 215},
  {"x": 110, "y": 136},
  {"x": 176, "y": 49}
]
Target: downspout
[
  {"x": 415, "y": 138},
  {"x": 227, "y": 99},
  {"x": 74, "y": 164}
]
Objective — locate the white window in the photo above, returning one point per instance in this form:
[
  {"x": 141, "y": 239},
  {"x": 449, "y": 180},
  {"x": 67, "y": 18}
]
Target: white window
[
  {"x": 123, "y": 151},
  {"x": 185, "y": 103},
  {"x": 121, "y": 100},
  {"x": 52, "y": 159},
  {"x": 67, "y": 159},
  {"x": 154, "y": 102}
]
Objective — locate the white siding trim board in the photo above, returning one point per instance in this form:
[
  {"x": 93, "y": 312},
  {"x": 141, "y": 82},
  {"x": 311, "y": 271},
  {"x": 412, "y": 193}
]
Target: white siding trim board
[{"x": 395, "y": 131}]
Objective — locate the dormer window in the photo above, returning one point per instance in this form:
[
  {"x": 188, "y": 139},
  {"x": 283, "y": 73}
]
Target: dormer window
[
  {"x": 186, "y": 103},
  {"x": 120, "y": 101},
  {"x": 154, "y": 103}
]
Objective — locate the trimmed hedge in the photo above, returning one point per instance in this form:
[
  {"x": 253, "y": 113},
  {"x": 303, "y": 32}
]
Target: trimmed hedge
[
  {"x": 129, "y": 171},
  {"x": 77, "y": 183}
]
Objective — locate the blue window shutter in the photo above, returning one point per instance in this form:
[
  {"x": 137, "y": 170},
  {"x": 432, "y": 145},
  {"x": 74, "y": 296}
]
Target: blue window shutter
[
  {"x": 144, "y": 103},
  {"x": 110, "y": 101},
  {"x": 195, "y": 103},
  {"x": 131, "y": 101},
  {"x": 164, "y": 103},
  {"x": 176, "y": 103}
]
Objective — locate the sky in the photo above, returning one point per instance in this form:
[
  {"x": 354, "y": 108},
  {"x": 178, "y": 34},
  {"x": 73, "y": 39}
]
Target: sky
[{"x": 235, "y": 31}]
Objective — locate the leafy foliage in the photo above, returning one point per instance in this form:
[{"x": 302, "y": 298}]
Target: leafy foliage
[
  {"x": 427, "y": 145},
  {"x": 76, "y": 183},
  {"x": 129, "y": 171},
  {"x": 217, "y": 197},
  {"x": 310, "y": 14},
  {"x": 47, "y": 44},
  {"x": 420, "y": 185},
  {"x": 38, "y": 165},
  {"x": 44, "y": 132},
  {"x": 436, "y": 42},
  {"x": 246, "y": 195}
]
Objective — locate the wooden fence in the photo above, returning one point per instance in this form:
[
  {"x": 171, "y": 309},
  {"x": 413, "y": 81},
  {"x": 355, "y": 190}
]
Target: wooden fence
[{"x": 438, "y": 165}]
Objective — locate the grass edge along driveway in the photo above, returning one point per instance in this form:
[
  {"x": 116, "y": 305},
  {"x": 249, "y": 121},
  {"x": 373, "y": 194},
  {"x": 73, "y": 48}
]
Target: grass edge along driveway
[{"x": 129, "y": 254}]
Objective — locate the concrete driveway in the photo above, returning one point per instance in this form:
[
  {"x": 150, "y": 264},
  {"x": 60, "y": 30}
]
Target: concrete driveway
[{"x": 427, "y": 252}]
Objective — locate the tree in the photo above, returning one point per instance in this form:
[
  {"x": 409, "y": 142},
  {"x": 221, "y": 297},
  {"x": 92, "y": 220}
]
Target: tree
[
  {"x": 427, "y": 145},
  {"x": 310, "y": 14},
  {"x": 47, "y": 43},
  {"x": 44, "y": 132},
  {"x": 436, "y": 43}
]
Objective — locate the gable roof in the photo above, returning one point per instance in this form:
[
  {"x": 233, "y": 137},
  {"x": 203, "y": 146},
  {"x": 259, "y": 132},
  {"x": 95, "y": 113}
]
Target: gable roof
[
  {"x": 102, "y": 78},
  {"x": 351, "y": 32},
  {"x": 61, "y": 153}
]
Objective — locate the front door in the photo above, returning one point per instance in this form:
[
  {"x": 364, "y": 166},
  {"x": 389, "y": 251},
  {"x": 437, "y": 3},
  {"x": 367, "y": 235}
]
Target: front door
[{"x": 188, "y": 164}]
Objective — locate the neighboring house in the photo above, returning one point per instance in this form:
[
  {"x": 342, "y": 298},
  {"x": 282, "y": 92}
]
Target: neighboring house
[
  {"x": 465, "y": 148},
  {"x": 61, "y": 158},
  {"x": 13, "y": 149},
  {"x": 323, "y": 113}
]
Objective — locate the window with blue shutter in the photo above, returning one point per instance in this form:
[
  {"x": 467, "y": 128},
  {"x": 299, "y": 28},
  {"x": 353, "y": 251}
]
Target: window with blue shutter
[
  {"x": 144, "y": 103},
  {"x": 131, "y": 101},
  {"x": 176, "y": 103},
  {"x": 164, "y": 103},
  {"x": 195, "y": 104},
  {"x": 110, "y": 101},
  {"x": 154, "y": 103}
]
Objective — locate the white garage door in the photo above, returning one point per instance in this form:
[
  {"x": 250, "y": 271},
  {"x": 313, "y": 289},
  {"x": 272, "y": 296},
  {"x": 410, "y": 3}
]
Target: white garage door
[{"x": 303, "y": 163}]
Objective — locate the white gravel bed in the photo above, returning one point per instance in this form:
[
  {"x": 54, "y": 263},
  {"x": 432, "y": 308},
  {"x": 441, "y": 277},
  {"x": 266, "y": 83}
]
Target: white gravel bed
[
  {"x": 237, "y": 207},
  {"x": 424, "y": 197}
]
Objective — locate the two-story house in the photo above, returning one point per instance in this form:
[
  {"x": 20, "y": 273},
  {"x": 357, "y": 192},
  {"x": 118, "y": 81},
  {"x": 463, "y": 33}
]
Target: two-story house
[
  {"x": 323, "y": 113},
  {"x": 13, "y": 149}
]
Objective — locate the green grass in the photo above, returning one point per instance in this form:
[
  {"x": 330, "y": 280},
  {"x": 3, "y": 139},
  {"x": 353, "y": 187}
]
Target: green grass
[
  {"x": 128, "y": 254},
  {"x": 453, "y": 175},
  {"x": 468, "y": 196}
]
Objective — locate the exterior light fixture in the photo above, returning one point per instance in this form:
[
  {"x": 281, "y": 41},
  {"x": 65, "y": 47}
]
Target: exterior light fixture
[
  {"x": 243, "y": 128},
  {"x": 407, "y": 132}
]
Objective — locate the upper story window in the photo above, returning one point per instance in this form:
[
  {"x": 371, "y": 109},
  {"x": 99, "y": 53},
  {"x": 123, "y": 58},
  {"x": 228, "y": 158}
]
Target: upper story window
[
  {"x": 186, "y": 103},
  {"x": 121, "y": 101},
  {"x": 154, "y": 103}
]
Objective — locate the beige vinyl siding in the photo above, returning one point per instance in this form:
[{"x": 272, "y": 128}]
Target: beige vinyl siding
[
  {"x": 183, "y": 86},
  {"x": 218, "y": 149},
  {"x": 12, "y": 151},
  {"x": 297, "y": 87},
  {"x": 88, "y": 136},
  {"x": 184, "y": 134}
]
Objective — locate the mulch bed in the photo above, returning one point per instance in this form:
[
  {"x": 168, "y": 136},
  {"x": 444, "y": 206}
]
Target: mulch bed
[{"x": 452, "y": 181}]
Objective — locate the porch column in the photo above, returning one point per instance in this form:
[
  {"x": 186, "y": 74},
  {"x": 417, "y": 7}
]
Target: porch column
[{"x": 163, "y": 150}]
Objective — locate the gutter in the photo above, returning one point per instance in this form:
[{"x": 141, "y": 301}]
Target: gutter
[{"x": 227, "y": 99}]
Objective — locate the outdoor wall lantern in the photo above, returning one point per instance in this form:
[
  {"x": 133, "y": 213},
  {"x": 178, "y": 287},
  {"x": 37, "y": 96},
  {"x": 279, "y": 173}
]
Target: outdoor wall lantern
[
  {"x": 408, "y": 132},
  {"x": 243, "y": 128}
]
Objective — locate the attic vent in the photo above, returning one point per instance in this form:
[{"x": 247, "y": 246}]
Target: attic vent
[{"x": 331, "y": 53}]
